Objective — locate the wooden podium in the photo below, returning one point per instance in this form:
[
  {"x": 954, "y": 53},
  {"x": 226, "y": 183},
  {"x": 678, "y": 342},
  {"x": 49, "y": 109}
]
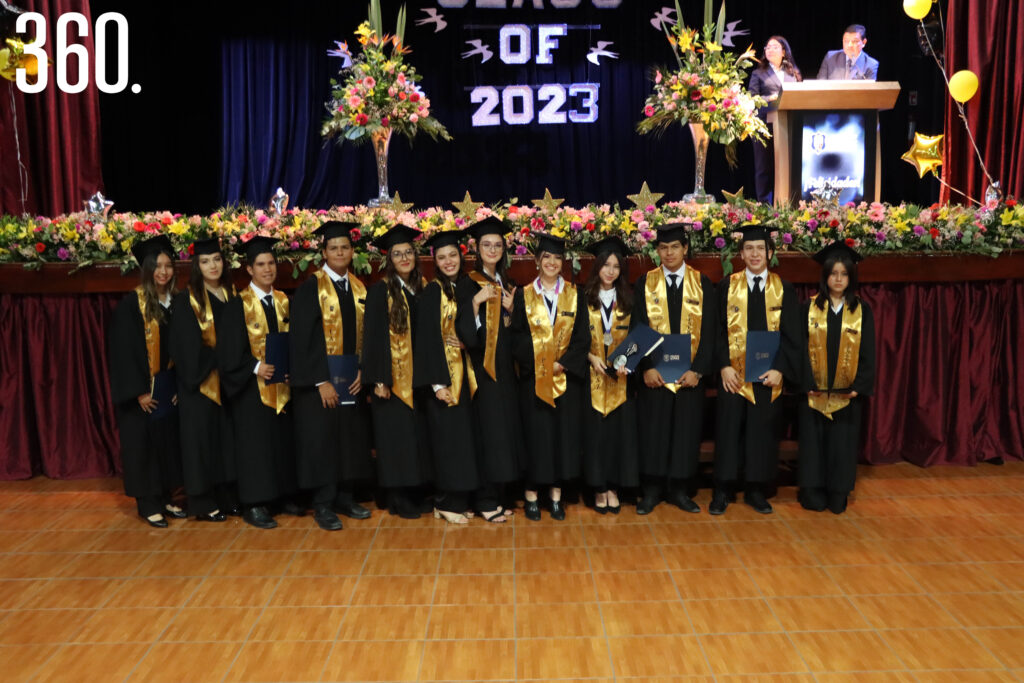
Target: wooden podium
[{"x": 796, "y": 99}]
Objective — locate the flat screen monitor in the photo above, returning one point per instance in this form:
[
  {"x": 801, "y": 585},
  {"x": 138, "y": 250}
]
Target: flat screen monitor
[{"x": 834, "y": 146}]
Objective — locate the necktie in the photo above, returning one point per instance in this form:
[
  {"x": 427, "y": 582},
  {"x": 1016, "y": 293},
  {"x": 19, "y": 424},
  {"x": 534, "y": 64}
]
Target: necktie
[
  {"x": 271, "y": 313},
  {"x": 757, "y": 283},
  {"x": 674, "y": 284},
  {"x": 849, "y": 67},
  {"x": 341, "y": 285}
]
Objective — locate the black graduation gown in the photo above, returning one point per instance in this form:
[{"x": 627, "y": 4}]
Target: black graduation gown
[
  {"x": 553, "y": 435},
  {"x": 496, "y": 403},
  {"x": 610, "y": 449},
  {"x": 208, "y": 448},
  {"x": 332, "y": 445},
  {"x": 671, "y": 424},
  {"x": 150, "y": 454},
  {"x": 829, "y": 448},
  {"x": 400, "y": 433},
  {"x": 747, "y": 440},
  {"x": 452, "y": 437},
  {"x": 263, "y": 438}
]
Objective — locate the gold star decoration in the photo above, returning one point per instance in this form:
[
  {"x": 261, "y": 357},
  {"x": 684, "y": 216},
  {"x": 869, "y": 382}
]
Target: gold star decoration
[
  {"x": 548, "y": 203},
  {"x": 398, "y": 206},
  {"x": 467, "y": 207},
  {"x": 925, "y": 154},
  {"x": 645, "y": 197},
  {"x": 736, "y": 198}
]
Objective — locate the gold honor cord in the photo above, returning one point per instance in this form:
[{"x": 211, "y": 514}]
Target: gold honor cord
[
  {"x": 736, "y": 324},
  {"x": 849, "y": 356},
  {"x": 273, "y": 395},
  {"x": 656, "y": 298},
  {"x": 493, "y": 312},
  {"x": 152, "y": 330},
  {"x": 210, "y": 387},
  {"x": 549, "y": 344},
  {"x": 454, "y": 356},
  {"x": 606, "y": 393},
  {"x": 401, "y": 358}
]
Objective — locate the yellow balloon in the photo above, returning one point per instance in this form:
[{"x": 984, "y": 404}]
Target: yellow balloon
[
  {"x": 963, "y": 85},
  {"x": 917, "y": 9},
  {"x": 925, "y": 154}
]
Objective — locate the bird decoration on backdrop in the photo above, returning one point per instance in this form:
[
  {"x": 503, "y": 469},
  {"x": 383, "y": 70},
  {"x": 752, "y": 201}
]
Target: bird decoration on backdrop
[
  {"x": 597, "y": 52},
  {"x": 433, "y": 18},
  {"x": 478, "y": 49}
]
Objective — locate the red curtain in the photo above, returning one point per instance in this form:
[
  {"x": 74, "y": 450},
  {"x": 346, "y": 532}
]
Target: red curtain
[
  {"x": 58, "y": 134},
  {"x": 985, "y": 36},
  {"x": 950, "y": 387}
]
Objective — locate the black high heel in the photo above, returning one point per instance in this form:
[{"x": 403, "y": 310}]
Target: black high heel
[{"x": 155, "y": 523}]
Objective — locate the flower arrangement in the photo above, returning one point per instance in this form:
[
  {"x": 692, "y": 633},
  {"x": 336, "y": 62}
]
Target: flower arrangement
[
  {"x": 707, "y": 87},
  {"x": 376, "y": 90}
]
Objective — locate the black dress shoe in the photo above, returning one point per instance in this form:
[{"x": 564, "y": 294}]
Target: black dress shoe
[
  {"x": 601, "y": 509},
  {"x": 557, "y": 510},
  {"x": 212, "y": 517},
  {"x": 719, "y": 502},
  {"x": 292, "y": 508},
  {"x": 176, "y": 514},
  {"x": 325, "y": 518},
  {"x": 646, "y": 505},
  {"x": 837, "y": 502},
  {"x": 352, "y": 510},
  {"x": 811, "y": 499},
  {"x": 531, "y": 509},
  {"x": 756, "y": 500},
  {"x": 259, "y": 517},
  {"x": 156, "y": 523},
  {"x": 233, "y": 512},
  {"x": 683, "y": 502},
  {"x": 615, "y": 509}
]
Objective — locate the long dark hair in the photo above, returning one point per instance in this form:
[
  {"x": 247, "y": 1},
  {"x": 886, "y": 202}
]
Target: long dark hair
[
  {"x": 399, "y": 311},
  {"x": 197, "y": 285},
  {"x": 788, "y": 65},
  {"x": 850, "y": 295},
  {"x": 623, "y": 293},
  {"x": 448, "y": 283},
  {"x": 501, "y": 267},
  {"x": 154, "y": 310}
]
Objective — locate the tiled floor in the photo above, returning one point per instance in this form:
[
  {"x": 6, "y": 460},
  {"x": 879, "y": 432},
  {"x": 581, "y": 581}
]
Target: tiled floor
[{"x": 922, "y": 580}]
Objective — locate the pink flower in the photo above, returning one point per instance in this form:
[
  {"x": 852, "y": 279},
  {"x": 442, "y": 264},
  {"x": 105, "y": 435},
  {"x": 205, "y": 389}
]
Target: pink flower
[
  {"x": 392, "y": 91},
  {"x": 649, "y": 110},
  {"x": 369, "y": 82},
  {"x": 400, "y": 79},
  {"x": 355, "y": 101},
  {"x": 414, "y": 97},
  {"x": 413, "y": 118},
  {"x": 657, "y": 77}
]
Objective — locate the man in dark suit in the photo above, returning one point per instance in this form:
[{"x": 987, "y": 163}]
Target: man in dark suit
[{"x": 850, "y": 63}]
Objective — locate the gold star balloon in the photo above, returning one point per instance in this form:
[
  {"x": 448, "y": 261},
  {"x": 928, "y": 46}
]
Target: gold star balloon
[
  {"x": 645, "y": 197},
  {"x": 398, "y": 206},
  {"x": 467, "y": 207},
  {"x": 548, "y": 203},
  {"x": 925, "y": 154}
]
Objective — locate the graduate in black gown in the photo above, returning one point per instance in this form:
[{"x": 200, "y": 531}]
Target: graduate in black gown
[
  {"x": 399, "y": 421},
  {"x": 138, "y": 347},
  {"x": 838, "y": 374},
  {"x": 260, "y": 411},
  {"x": 207, "y": 441},
  {"x": 610, "y": 451},
  {"x": 484, "y": 315},
  {"x": 674, "y": 298},
  {"x": 441, "y": 366},
  {"x": 749, "y": 414},
  {"x": 551, "y": 338},
  {"x": 332, "y": 441}
]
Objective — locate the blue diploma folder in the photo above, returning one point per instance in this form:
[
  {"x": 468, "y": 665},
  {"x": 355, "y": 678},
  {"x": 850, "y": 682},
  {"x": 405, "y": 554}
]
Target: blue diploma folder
[
  {"x": 343, "y": 371},
  {"x": 761, "y": 350},
  {"x": 276, "y": 354},
  {"x": 637, "y": 345},
  {"x": 164, "y": 388},
  {"x": 673, "y": 357}
]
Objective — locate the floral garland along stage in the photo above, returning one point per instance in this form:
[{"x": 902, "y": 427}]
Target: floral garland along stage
[{"x": 83, "y": 238}]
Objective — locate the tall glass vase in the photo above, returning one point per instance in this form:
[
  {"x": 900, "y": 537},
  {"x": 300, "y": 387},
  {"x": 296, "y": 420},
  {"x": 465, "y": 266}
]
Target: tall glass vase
[
  {"x": 700, "y": 148},
  {"x": 381, "y": 140}
]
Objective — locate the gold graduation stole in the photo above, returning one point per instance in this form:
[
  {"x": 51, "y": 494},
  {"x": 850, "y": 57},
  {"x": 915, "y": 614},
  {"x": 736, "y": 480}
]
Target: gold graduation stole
[
  {"x": 493, "y": 313},
  {"x": 690, "y": 316},
  {"x": 736, "y": 323},
  {"x": 549, "y": 344},
  {"x": 606, "y": 392},
  {"x": 401, "y": 357},
  {"x": 210, "y": 387},
  {"x": 273, "y": 395},
  {"x": 152, "y": 330},
  {"x": 330, "y": 312},
  {"x": 454, "y": 356},
  {"x": 849, "y": 356}
]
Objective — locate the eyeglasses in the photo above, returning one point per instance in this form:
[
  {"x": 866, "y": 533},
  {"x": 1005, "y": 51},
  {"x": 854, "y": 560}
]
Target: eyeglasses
[
  {"x": 491, "y": 245},
  {"x": 409, "y": 253}
]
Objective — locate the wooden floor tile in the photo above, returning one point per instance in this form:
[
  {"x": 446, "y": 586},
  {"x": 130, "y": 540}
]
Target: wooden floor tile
[
  {"x": 279, "y": 661},
  {"x": 990, "y": 549},
  {"x": 385, "y": 623},
  {"x": 855, "y": 552},
  {"x": 939, "y": 649},
  {"x": 139, "y": 625},
  {"x": 374, "y": 661},
  {"x": 551, "y": 588},
  {"x": 298, "y": 623},
  {"x": 752, "y": 653},
  {"x": 409, "y": 539},
  {"x": 13, "y": 540},
  {"x": 34, "y": 565},
  {"x": 477, "y": 561},
  {"x": 233, "y": 591},
  {"x": 757, "y": 532},
  {"x": 17, "y": 592},
  {"x": 24, "y": 520},
  {"x": 657, "y": 656},
  {"x": 71, "y": 662},
  {"x": 22, "y": 661},
  {"x": 867, "y": 677},
  {"x": 402, "y": 562},
  {"x": 627, "y": 559},
  {"x": 394, "y": 590},
  {"x": 549, "y": 537},
  {"x": 488, "y": 536},
  {"x": 327, "y": 563},
  {"x": 732, "y": 616},
  {"x": 646, "y": 618},
  {"x": 1010, "y": 574},
  {"x": 348, "y": 539},
  {"x": 103, "y": 565},
  {"x": 700, "y": 584},
  {"x": 984, "y": 609},
  {"x": 159, "y": 564},
  {"x": 551, "y": 560},
  {"x": 550, "y": 658},
  {"x": 953, "y": 578},
  {"x": 845, "y": 651},
  {"x": 29, "y": 627},
  {"x": 158, "y": 592},
  {"x": 961, "y": 676},
  {"x": 781, "y": 582},
  {"x": 268, "y": 539},
  {"x": 865, "y": 580},
  {"x": 212, "y": 623},
  {"x": 189, "y": 540},
  {"x": 468, "y": 660},
  {"x": 186, "y": 662},
  {"x": 74, "y": 593},
  {"x": 553, "y": 621},
  {"x": 1004, "y": 643},
  {"x": 631, "y": 535},
  {"x": 835, "y": 530},
  {"x": 634, "y": 586},
  {"x": 774, "y": 554},
  {"x": 456, "y": 622},
  {"x": 122, "y": 540},
  {"x": 817, "y": 614},
  {"x": 311, "y": 591},
  {"x": 252, "y": 563},
  {"x": 903, "y": 611},
  {"x": 688, "y": 534},
  {"x": 919, "y": 550},
  {"x": 473, "y": 589}
]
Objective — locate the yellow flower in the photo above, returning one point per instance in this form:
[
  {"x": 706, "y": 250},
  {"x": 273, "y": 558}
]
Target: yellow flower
[
  {"x": 126, "y": 245},
  {"x": 557, "y": 231},
  {"x": 944, "y": 213},
  {"x": 1007, "y": 216},
  {"x": 806, "y": 215},
  {"x": 627, "y": 226},
  {"x": 901, "y": 226},
  {"x": 851, "y": 216},
  {"x": 69, "y": 235},
  {"x": 177, "y": 228},
  {"x": 685, "y": 40},
  {"x": 707, "y": 91},
  {"x": 717, "y": 226},
  {"x": 712, "y": 47},
  {"x": 754, "y": 221}
]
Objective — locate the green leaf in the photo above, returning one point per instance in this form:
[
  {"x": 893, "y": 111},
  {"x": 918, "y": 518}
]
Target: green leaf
[
  {"x": 707, "y": 12},
  {"x": 400, "y": 28},
  {"x": 720, "y": 25},
  {"x": 726, "y": 265}
]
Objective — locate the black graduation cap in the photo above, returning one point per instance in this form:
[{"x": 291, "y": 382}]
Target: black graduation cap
[
  {"x": 256, "y": 246},
  {"x": 207, "y": 246},
  {"x": 671, "y": 232},
  {"x": 755, "y": 231},
  {"x": 331, "y": 229},
  {"x": 836, "y": 248},
  {"x": 550, "y": 243},
  {"x": 613, "y": 244},
  {"x": 153, "y": 245},
  {"x": 488, "y": 226},
  {"x": 397, "y": 234},
  {"x": 445, "y": 238}
]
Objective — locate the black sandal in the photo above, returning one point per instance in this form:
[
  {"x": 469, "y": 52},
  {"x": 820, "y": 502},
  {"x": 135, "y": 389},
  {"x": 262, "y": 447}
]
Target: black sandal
[{"x": 495, "y": 516}]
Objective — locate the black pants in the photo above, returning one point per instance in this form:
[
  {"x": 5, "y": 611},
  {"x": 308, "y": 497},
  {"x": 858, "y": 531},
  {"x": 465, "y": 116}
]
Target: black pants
[
  {"x": 657, "y": 487},
  {"x": 764, "y": 168},
  {"x": 747, "y": 440}
]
